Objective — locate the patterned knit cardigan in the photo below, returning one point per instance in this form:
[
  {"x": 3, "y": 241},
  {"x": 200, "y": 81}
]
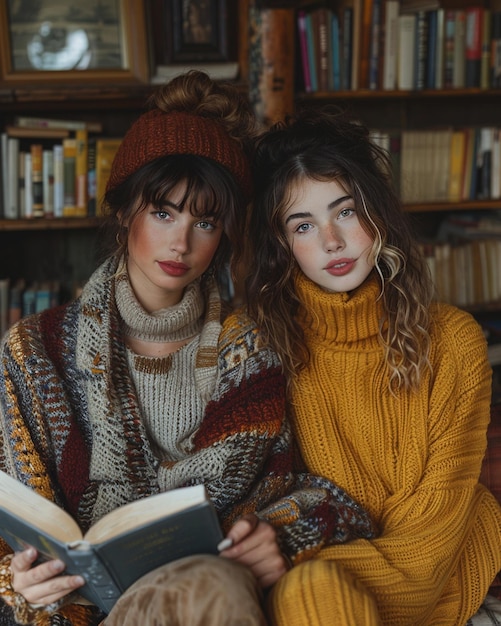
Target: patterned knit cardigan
[{"x": 58, "y": 364}]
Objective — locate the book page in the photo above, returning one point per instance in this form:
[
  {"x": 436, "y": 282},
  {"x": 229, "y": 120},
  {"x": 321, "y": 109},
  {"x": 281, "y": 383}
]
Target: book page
[
  {"x": 36, "y": 510},
  {"x": 146, "y": 510}
]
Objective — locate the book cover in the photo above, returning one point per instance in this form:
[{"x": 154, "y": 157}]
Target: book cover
[
  {"x": 50, "y": 123},
  {"x": 36, "y": 150},
  {"x": 106, "y": 149},
  {"x": 69, "y": 176},
  {"x": 122, "y": 546},
  {"x": 473, "y": 60}
]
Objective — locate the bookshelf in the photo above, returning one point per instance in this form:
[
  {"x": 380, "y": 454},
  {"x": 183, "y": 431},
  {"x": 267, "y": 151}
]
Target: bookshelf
[{"x": 270, "y": 73}]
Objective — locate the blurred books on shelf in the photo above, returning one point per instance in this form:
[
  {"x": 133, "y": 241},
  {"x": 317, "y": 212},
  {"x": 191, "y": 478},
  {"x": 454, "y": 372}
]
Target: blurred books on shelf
[
  {"x": 217, "y": 71},
  {"x": 48, "y": 169}
]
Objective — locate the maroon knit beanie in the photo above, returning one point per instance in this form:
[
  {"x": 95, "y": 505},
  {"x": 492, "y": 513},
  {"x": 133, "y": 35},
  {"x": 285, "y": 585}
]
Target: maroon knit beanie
[{"x": 157, "y": 133}]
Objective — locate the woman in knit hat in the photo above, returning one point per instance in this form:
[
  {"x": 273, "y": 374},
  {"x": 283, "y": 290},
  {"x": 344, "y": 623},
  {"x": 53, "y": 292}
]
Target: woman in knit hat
[
  {"x": 389, "y": 390},
  {"x": 147, "y": 382}
]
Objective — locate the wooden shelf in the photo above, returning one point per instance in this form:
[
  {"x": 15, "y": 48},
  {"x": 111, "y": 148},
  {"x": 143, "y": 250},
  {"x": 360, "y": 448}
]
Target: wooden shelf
[
  {"x": 369, "y": 94},
  {"x": 58, "y": 223},
  {"x": 472, "y": 205}
]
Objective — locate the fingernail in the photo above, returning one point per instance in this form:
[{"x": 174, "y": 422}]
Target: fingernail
[
  {"x": 224, "y": 544},
  {"x": 57, "y": 566}
]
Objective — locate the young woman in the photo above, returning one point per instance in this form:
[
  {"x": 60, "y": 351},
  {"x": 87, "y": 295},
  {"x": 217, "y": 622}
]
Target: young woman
[
  {"x": 389, "y": 391},
  {"x": 146, "y": 383}
]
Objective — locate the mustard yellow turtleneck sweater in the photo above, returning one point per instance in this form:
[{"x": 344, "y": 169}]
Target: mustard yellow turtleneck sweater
[{"x": 412, "y": 459}]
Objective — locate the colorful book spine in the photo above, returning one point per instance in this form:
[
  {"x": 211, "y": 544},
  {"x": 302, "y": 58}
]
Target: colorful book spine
[{"x": 36, "y": 150}]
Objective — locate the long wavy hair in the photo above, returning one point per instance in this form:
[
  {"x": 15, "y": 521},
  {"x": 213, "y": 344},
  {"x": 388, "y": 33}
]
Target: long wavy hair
[{"x": 329, "y": 145}]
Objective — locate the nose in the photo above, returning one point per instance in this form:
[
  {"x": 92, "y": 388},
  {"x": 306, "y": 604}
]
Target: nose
[
  {"x": 331, "y": 238},
  {"x": 180, "y": 242}
]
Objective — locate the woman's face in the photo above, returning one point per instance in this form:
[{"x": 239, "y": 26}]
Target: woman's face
[
  {"x": 168, "y": 249},
  {"x": 326, "y": 237}
]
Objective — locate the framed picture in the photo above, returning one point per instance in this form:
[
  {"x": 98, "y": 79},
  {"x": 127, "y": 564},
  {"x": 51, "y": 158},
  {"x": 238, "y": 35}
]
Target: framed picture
[
  {"x": 198, "y": 30},
  {"x": 54, "y": 41}
]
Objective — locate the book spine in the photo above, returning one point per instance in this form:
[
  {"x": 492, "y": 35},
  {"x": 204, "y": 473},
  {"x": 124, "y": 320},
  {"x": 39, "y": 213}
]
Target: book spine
[
  {"x": 376, "y": 31},
  {"x": 390, "y": 45},
  {"x": 28, "y": 187},
  {"x": 459, "y": 69},
  {"x": 12, "y": 182},
  {"x": 496, "y": 50},
  {"x": 91, "y": 178},
  {"x": 421, "y": 50},
  {"x": 303, "y": 47},
  {"x": 485, "y": 61},
  {"x": 431, "y": 57},
  {"x": 58, "y": 159},
  {"x": 81, "y": 164},
  {"x": 440, "y": 50},
  {"x": 406, "y": 50},
  {"x": 474, "y": 19},
  {"x": 36, "y": 150},
  {"x": 48, "y": 182},
  {"x": 347, "y": 49},
  {"x": 69, "y": 177},
  {"x": 336, "y": 52}
]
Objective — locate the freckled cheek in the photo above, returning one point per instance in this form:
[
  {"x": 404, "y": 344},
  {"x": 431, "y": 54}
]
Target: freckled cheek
[{"x": 142, "y": 244}]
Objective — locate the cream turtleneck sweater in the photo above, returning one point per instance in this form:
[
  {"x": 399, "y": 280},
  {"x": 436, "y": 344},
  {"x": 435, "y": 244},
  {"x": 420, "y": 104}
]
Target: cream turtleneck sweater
[{"x": 412, "y": 459}]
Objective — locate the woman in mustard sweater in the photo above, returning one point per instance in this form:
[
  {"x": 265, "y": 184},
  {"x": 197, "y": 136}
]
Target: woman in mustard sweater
[{"x": 389, "y": 390}]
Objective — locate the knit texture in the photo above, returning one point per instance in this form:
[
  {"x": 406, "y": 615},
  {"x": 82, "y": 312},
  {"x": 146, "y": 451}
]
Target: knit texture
[
  {"x": 157, "y": 133},
  {"x": 412, "y": 459},
  {"x": 67, "y": 395}
]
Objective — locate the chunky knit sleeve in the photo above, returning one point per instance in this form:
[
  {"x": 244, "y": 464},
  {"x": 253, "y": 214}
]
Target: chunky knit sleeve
[
  {"x": 440, "y": 542},
  {"x": 245, "y": 425}
]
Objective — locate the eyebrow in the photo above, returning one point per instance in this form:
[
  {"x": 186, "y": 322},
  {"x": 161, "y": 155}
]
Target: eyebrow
[{"x": 330, "y": 206}]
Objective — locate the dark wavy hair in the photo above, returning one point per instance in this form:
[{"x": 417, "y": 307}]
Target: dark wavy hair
[{"x": 330, "y": 145}]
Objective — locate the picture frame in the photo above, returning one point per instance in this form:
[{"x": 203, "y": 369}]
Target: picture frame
[
  {"x": 198, "y": 31},
  {"x": 98, "y": 41}
]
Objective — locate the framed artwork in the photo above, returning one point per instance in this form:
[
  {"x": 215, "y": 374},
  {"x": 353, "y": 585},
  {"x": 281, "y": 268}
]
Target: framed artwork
[
  {"x": 55, "y": 41},
  {"x": 198, "y": 30}
]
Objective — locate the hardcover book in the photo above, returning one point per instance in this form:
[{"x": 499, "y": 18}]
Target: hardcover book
[{"x": 122, "y": 546}]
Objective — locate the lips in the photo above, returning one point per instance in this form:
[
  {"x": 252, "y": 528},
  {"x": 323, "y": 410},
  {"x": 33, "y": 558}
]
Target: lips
[
  {"x": 340, "y": 267},
  {"x": 172, "y": 268}
]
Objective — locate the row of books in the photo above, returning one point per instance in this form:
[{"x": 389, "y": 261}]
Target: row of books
[
  {"x": 18, "y": 298},
  {"x": 53, "y": 168},
  {"x": 466, "y": 274},
  {"x": 396, "y": 45},
  {"x": 445, "y": 164}
]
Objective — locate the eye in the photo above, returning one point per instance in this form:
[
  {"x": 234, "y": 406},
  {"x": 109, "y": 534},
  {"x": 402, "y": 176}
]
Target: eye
[
  {"x": 161, "y": 214},
  {"x": 303, "y": 228},
  {"x": 206, "y": 225},
  {"x": 346, "y": 212}
]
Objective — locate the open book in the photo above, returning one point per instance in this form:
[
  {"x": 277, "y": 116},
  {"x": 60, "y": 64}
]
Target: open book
[{"x": 122, "y": 546}]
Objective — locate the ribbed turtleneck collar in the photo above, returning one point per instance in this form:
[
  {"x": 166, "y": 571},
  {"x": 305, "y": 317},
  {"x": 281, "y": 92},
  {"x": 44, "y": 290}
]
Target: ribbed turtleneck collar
[
  {"x": 338, "y": 317},
  {"x": 177, "y": 323}
]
